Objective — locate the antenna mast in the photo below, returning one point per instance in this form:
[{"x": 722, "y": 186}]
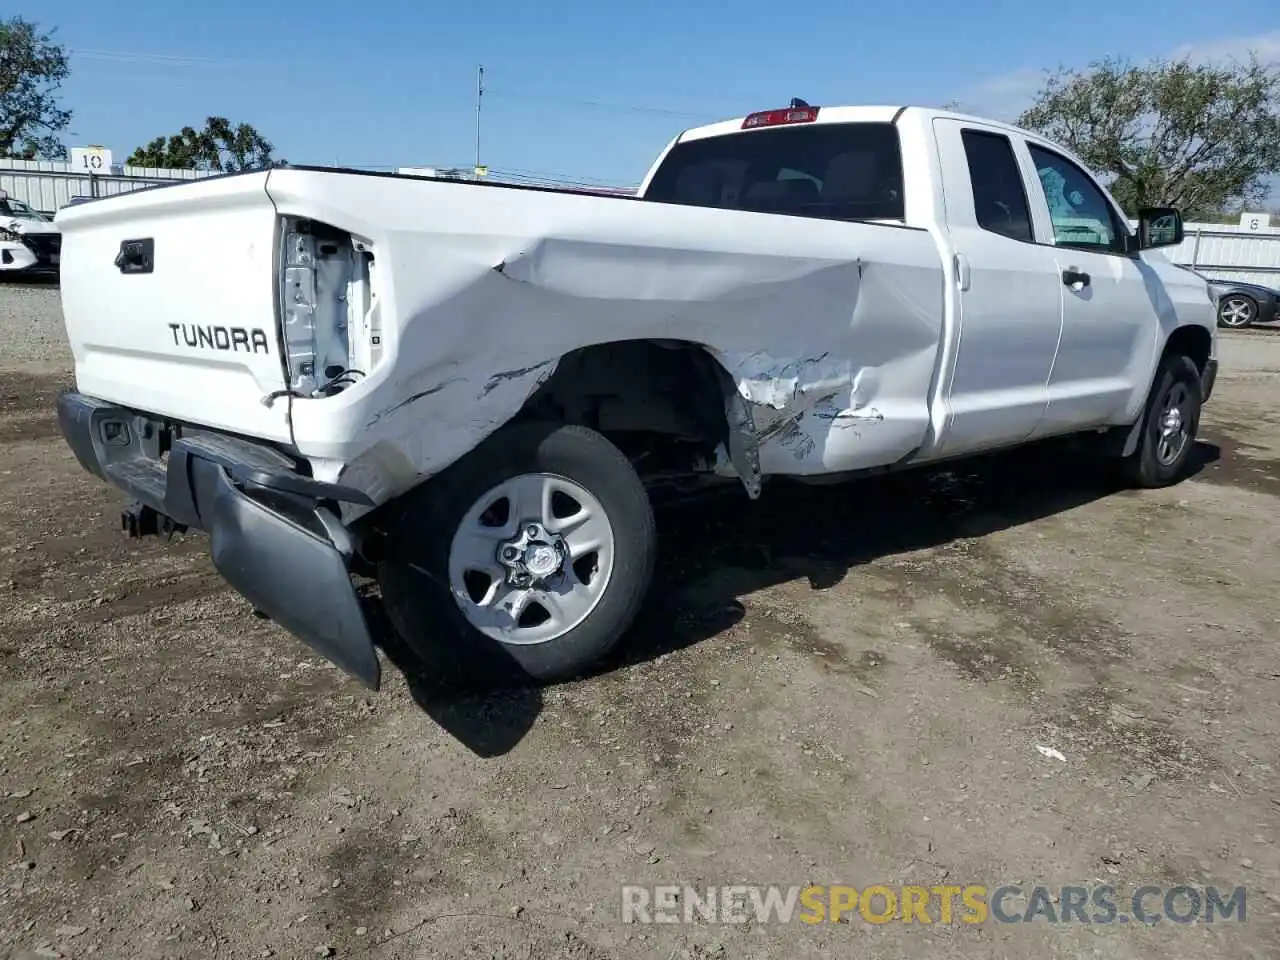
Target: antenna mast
[{"x": 479, "y": 97}]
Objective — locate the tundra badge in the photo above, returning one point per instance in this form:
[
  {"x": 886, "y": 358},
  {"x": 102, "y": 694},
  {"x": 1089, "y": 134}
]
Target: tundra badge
[{"x": 213, "y": 337}]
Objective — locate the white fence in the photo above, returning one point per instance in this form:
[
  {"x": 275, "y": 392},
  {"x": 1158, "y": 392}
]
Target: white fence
[
  {"x": 1231, "y": 252},
  {"x": 47, "y": 185}
]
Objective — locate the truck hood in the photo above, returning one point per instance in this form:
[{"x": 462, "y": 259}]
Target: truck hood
[{"x": 31, "y": 227}]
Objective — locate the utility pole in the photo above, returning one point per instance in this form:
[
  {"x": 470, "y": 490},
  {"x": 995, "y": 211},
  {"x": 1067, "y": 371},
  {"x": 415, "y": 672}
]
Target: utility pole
[{"x": 479, "y": 97}]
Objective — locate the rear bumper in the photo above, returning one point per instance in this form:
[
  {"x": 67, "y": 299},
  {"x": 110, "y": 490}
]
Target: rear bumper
[{"x": 273, "y": 534}]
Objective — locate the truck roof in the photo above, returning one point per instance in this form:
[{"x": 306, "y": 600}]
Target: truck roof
[{"x": 837, "y": 114}]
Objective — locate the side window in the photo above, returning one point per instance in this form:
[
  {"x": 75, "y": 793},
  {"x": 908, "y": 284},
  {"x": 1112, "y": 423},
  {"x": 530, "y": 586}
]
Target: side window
[
  {"x": 1081, "y": 215},
  {"x": 999, "y": 196}
]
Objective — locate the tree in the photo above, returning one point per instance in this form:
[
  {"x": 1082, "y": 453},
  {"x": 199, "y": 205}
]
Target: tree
[
  {"x": 1200, "y": 137},
  {"x": 219, "y": 146},
  {"x": 32, "y": 68}
]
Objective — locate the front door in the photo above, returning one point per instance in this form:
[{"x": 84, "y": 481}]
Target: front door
[{"x": 1109, "y": 309}]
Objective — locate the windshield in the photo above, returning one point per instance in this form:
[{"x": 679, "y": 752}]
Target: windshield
[
  {"x": 834, "y": 171},
  {"x": 18, "y": 209}
]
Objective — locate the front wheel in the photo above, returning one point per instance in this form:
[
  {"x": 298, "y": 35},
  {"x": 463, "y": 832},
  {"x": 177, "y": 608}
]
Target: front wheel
[
  {"x": 529, "y": 558},
  {"x": 1170, "y": 423}
]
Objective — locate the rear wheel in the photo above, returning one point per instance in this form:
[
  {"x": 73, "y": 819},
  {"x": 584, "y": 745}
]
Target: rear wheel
[
  {"x": 530, "y": 558},
  {"x": 1170, "y": 423},
  {"x": 1236, "y": 310}
]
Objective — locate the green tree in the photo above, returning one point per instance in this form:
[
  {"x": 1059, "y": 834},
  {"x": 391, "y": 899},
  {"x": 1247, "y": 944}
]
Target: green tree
[
  {"x": 218, "y": 146},
  {"x": 32, "y": 68},
  {"x": 1200, "y": 137}
]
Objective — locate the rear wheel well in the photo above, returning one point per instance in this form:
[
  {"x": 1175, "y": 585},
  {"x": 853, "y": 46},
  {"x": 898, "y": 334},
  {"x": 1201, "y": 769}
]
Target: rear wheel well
[{"x": 662, "y": 402}]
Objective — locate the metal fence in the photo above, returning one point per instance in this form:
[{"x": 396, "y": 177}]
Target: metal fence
[
  {"x": 47, "y": 185},
  {"x": 1231, "y": 252}
]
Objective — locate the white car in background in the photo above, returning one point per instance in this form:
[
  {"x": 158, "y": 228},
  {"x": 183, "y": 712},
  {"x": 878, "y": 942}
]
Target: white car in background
[{"x": 30, "y": 242}]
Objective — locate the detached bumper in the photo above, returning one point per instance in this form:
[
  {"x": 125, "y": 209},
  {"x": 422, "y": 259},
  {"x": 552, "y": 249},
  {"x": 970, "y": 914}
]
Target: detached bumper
[{"x": 272, "y": 533}]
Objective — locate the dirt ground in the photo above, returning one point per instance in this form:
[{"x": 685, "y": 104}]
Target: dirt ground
[{"x": 840, "y": 686}]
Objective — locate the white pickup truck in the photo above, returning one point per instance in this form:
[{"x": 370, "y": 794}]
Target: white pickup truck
[{"x": 473, "y": 390}]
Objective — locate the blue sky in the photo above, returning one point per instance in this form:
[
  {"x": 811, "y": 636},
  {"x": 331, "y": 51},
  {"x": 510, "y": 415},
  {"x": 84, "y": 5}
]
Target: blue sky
[{"x": 590, "y": 92}]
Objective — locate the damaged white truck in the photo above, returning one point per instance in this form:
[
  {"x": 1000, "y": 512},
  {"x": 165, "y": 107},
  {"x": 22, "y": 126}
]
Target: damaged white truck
[{"x": 472, "y": 391}]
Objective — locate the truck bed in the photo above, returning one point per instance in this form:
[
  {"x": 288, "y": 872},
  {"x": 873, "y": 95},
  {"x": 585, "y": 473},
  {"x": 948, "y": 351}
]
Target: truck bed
[{"x": 479, "y": 289}]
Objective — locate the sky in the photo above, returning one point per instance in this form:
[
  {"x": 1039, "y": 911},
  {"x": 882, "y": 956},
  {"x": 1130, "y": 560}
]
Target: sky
[{"x": 590, "y": 92}]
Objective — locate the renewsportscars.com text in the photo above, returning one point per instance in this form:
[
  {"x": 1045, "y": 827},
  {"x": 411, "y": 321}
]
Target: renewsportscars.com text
[{"x": 972, "y": 903}]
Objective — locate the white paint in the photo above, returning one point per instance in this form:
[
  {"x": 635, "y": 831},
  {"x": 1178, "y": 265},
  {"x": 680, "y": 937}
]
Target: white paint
[
  {"x": 855, "y": 343},
  {"x": 1050, "y": 753}
]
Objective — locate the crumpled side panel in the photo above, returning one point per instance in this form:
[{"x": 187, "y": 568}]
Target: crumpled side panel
[{"x": 830, "y": 330}]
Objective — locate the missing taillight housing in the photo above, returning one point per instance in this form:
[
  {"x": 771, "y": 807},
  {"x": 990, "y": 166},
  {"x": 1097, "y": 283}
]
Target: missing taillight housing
[
  {"x": 776, "y": 118},
  {"x": 328, "y": 307}
]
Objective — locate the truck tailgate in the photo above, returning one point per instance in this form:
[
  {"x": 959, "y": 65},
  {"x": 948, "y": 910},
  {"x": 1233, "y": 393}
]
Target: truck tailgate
[{"x": 169, "y": 301}]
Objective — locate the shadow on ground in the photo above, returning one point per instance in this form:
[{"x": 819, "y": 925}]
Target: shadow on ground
[
  {"x": 43, "y": 279},
  {"x": 718, "y": 548}
]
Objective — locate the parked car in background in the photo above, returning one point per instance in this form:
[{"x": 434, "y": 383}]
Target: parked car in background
[
  {"x": 30, "y": 243},
  {"x": 1244, "y": 304}
]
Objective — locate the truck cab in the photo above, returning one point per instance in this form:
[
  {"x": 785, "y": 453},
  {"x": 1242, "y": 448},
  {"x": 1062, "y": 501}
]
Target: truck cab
[{"x": 1057, "y": 308}]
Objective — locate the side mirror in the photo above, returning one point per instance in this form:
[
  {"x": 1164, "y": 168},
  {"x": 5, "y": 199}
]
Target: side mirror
[{"x": 1159, "y": 227}]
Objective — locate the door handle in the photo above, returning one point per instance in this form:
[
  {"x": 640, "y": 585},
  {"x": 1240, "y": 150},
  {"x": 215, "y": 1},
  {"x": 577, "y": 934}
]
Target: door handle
[
  {"x": 1073, "y": 277},
  {"x": 136, "y": 256}
]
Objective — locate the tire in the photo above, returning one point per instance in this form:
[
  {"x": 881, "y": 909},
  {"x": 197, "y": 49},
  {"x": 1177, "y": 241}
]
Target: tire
[
  {"x": 430, "y": 581},
  {"x": 1177, "y": 382},
  {"x": 1237, "y": 311}
]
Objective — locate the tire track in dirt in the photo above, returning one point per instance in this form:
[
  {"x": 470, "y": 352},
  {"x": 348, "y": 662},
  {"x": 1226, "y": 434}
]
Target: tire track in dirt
[{"x": 28, "y": 406}]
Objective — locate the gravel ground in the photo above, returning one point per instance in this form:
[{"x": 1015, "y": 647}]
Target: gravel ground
[
  {"x": 842, "y": 686},
  {"x": 31, "y": 331}
]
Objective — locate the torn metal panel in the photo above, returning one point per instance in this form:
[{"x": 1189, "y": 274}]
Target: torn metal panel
[
  {"x": 816, "y": 323},
  {"x": 744, "y": 443},
  {"x": 412, "y": 398},
  {"x": 504, "y": 375}
]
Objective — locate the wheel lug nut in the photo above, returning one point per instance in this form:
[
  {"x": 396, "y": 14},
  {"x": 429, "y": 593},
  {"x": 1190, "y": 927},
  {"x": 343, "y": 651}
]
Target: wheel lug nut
[
  {"x": 510, "y": 553},
  {"x": 531, "y": 530}
]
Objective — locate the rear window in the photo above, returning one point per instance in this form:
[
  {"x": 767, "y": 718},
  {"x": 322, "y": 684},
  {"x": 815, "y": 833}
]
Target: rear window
[{"x": 833, "y": 171}]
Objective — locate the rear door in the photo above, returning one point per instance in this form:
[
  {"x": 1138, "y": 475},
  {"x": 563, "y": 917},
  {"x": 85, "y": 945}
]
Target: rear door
[
  {"x": 1010, "y": 306},
  {"x": 169, "y": 297},
  {"x": 841, "y": 379}
]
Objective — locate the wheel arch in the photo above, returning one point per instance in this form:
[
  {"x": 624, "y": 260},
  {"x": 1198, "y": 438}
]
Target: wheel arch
[
  {"x": 676, "y": 389},
  {"x": 1190, "y": 340},
  {"x": 666, "y": 392}
]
